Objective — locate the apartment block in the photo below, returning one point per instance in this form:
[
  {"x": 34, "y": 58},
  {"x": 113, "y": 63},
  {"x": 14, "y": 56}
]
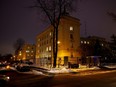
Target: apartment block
[
  {"x": 27, "y": 52},
  {"x": 68, "y": 43}
]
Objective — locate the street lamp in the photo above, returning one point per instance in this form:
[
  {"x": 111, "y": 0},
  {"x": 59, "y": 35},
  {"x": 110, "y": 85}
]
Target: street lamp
[{"x": 58, "y": 42}]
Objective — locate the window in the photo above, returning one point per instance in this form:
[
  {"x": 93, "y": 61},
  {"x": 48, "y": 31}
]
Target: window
[
  {"x": 71, "y": 36},
  {"x": 50, "y": 34},
  {"x": 71, "y": 28},
  {"x": 50, "y": 48},
  {"x": 27, "y": 51},
  {"x": 102, "y": 44},
  {"x": 38, "y": 39},
  {"x": 82, "y": 42},
  {"x": 85, "y": 42},
  {"x": 46, "y": 48}
]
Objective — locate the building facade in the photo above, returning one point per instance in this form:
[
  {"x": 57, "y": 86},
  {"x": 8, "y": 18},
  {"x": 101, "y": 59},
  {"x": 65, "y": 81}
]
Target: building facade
[
  {"x": 27, "y": 52},
  {"x": 68, "y": 43},
  {"x": 94, "y": 50}
]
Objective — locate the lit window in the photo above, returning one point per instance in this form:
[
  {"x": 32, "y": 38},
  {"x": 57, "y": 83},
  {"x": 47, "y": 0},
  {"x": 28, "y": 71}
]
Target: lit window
[
  {"x": 81, "y": 41},
  {"x": 71, "y": 28},
  {"x": 102, "y": 44},
  {"x": 50, "y": 34},
  {"x": 50, "y": 48},
  {"x": 27, "y": 51},
  {"x": 20, "y": 54},
  {"x": 85, "y": 42},
  {"x": 46, "y": 48}
]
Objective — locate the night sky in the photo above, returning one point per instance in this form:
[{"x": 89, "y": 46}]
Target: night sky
[{"x": 19, "y": 21}]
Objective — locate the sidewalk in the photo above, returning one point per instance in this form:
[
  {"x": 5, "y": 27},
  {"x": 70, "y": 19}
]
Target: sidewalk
[
  {"x": 94, "y": 70},
  {"x": 69, "y": 71}
]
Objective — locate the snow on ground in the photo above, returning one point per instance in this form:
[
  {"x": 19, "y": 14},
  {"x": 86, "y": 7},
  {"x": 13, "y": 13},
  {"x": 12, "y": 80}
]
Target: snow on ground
[
  {"x": 65, "y": 70},
  {"x": 59, "y": 70},
  {"x": 110, "y": 66},
  {"x": 37, "y": 72}
]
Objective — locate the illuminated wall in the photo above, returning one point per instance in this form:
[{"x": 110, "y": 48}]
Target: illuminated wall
[
  {"x": 27, "y": 52},
  {"x": 68, "y": 43}
]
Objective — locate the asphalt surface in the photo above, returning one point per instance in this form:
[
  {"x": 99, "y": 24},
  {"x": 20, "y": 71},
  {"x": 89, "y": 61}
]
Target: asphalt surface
[
  {"x": 88, "y": 78},
  {"x": 65, "y": 80}
]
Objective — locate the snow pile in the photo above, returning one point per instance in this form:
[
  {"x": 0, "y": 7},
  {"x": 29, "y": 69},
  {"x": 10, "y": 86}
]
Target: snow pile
[
  {"x": 64, "y": 70},
  {"x": 37, "y": 72},
  {"x": 60, "y": 70},
  {"x": 110, "y": 66}
]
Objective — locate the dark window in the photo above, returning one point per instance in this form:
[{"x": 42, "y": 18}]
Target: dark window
[{"x": 71, "y": 36}]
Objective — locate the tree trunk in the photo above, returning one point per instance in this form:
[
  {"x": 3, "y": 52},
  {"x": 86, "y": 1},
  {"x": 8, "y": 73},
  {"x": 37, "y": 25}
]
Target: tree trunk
[{"x": 55, "y": 46}]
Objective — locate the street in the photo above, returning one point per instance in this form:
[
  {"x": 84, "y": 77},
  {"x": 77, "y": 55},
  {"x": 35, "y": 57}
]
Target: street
[{"x": 62, "y": 80}]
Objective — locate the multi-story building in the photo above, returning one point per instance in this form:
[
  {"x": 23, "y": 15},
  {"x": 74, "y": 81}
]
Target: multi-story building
[
  {"x": 92, "y": 40},
  {"x": 27, "y": 52},
  {"x": 68, "y": 43},
  {"x": 93, "y": 49}
]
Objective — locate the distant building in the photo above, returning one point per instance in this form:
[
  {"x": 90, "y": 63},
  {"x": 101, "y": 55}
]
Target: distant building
[
  {"x": 27, "y": 52},
  {"x": 68, "y": 43},
  {"x": 93, "y": 49},
  {"x": 91, "y": 40}
]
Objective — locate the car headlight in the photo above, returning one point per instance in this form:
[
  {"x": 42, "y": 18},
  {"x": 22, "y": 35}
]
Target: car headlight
[
  {"x": 7, "y": 67},
  {"x": 8, "y": 77}
]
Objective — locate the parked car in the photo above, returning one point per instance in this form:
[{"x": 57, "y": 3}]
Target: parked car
[
  {"x": 3, "y": 80},
  {"x": 4, "y": 67}
]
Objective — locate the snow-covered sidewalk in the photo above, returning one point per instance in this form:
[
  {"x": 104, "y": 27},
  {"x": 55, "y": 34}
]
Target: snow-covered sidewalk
[{"x": 63, "y": 70}]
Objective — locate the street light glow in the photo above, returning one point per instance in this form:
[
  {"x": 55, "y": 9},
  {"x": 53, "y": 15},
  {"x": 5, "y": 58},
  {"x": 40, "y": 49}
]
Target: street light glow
[{"x": 58, "y": 42}]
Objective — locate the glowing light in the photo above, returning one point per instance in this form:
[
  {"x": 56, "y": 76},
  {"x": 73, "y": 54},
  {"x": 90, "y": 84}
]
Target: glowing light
[
  {"x": 71, "y": 28},
  {"x": 27, "y": 51},
  {"x": 8, "y": 67},
  {"x": 58, "y": 42},
  {"x": 20, "y": 54},
  {"x": 50, "y": 48},
  {"x": 8, "y": 78},
  {"x": 50, "y": 33}
]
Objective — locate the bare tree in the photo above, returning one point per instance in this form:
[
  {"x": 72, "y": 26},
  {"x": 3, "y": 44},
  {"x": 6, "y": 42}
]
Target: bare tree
[
  {"x": 18, "y": 45},
  {"x": 113, "y": 15},
  {"x": 54, "y": 10}
]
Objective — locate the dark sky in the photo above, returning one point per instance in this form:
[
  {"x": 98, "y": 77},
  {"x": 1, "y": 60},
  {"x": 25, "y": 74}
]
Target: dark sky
[{"x": 18, "y": 21}]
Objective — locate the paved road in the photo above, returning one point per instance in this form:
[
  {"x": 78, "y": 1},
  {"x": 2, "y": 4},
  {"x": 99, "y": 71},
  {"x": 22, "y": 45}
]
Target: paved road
[{"x": 64, "y": 80}]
